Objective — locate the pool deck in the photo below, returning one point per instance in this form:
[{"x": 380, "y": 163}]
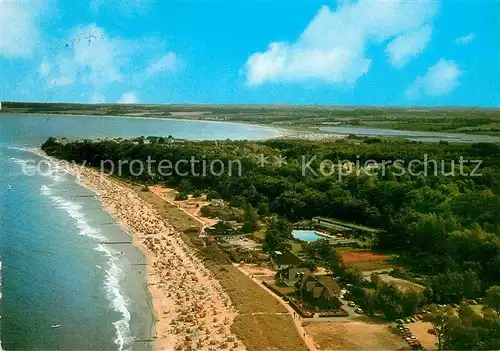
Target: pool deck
[{"x": 325, "y": 235}]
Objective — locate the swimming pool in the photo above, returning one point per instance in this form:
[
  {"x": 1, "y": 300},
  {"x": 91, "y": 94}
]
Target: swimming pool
[{"x": 306, "y": 235}]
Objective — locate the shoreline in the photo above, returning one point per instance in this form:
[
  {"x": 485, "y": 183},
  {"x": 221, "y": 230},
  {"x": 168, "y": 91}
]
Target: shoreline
[{"x": 189, "y": 306}]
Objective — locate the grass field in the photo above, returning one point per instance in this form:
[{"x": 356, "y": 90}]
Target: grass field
[
  {"x": 246, "y": 296},
  {"x": 262, "y": 322},
  {"x": 354, "y": 336},
  {"x": 296, "y": 247},
  {"x": 268, "y": 332}
]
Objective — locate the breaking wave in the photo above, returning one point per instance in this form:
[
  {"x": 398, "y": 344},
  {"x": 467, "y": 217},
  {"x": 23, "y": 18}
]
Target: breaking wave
[{"x": 114, "y": 274}]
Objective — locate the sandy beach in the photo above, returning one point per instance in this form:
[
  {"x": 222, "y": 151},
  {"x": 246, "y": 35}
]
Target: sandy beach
[{"x": 192, "y": 310}]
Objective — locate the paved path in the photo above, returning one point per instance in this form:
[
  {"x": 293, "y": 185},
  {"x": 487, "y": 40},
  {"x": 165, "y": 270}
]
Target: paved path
[{"x": 296, "y": 318}]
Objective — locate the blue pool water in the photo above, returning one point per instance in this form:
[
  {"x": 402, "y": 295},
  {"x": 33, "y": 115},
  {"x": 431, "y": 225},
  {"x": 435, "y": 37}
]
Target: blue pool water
[{"x": 306, "y": 235}]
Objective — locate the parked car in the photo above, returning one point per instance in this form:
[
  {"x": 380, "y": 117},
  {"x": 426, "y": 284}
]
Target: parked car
[
  {"x": 399, "y": 321},
  {"x": 473, "y": 302},
  {"x": 454, "y": 305},
  {"x": 358, "y": 310},
  {"x": 351, "y": 304},
  {"x": 479, "y": 300},
  {"x": 407, "y": 320}
]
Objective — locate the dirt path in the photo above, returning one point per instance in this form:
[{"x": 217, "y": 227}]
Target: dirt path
[
  {"x": 308, "y": 340},
  {"x": 160, "y": 191}
]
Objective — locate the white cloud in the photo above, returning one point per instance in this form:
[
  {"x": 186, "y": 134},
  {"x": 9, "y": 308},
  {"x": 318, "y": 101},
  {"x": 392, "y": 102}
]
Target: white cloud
[
  {"x": 97, "y": 98},
  {"x": 44, "y": 68},
  {"x": 18, "y": 28},
  {"x": 440, "y": 79},
  {"x": 408, "y": 45},
  {"x": 94, "y": 58},
  {"x": 129, "y": 98},
  {"x": 332, "y": 47},
  {"x": 165, "y": 63},
  {"x": 466, "y": 39}
]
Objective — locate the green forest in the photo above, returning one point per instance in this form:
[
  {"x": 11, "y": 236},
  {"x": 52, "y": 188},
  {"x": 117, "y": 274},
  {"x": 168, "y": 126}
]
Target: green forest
[
  {"x": 441, "y": 218},
  {"x": 437, "y": 223}
]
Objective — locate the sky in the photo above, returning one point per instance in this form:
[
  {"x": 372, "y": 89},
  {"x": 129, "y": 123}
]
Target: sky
[{"x": 384, "y": 53}]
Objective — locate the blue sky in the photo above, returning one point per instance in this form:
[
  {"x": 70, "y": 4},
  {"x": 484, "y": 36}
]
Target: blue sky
[{"x": 432, "y": 53}]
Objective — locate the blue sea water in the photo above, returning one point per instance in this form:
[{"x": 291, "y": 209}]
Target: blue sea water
[{"x": 56, "y": 266}]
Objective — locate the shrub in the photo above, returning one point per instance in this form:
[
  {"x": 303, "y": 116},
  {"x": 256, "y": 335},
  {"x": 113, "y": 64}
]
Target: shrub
[
  {"x": 212, "y": 194},
  {"x": 181, "y": 197}
]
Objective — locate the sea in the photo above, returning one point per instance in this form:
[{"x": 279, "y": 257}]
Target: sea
[{"x": 65, "y": 282}]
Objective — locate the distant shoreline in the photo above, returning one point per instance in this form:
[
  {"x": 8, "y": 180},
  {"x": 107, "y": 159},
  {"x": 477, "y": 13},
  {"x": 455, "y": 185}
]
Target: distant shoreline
[{"x": 280, "y": 132}]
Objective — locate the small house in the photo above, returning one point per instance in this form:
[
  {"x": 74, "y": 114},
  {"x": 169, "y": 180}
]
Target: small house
[{"x": 319, "y": 291}]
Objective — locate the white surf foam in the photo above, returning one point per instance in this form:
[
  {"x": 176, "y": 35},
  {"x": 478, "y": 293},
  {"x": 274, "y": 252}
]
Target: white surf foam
[
  {"x": 114, "y": 274},
  {"x": 28, "y": 167},
  {"x": 74, "y": 211},
  {"x": 119, "y": 302}
]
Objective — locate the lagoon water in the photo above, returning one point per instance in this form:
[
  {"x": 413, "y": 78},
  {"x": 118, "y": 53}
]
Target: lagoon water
[
  {"x": 414, "y": 135},
  {"x": 55, "y": 267}
]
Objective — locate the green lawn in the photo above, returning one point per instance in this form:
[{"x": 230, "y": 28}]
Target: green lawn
[
  {"x": 259, "y": 234},
  {"x": 296, "y": 247}
]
